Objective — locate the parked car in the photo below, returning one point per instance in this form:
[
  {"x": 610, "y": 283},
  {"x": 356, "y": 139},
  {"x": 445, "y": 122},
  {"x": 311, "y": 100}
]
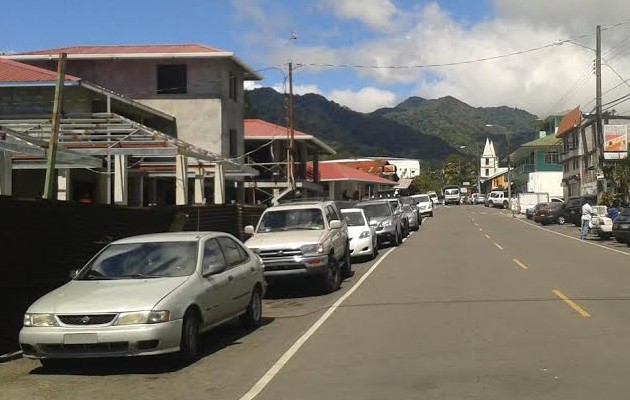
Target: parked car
[
  {"x": 413, "y": 217},
  {"x": 434, "y": 198},
  {"x": 362, "y": 236},
  {"x": 601, "y": 223},
  {"x": 397, "y": 207},
  {"x": 147, "y": 295},
  {"x": 480, "y": 199},
  {"x": 303, "y": 239},
  {"x": 549, "y": 213},
  {"x": 573, "y": 208},
  {"x": 424, "y": 205},
  {"x": 499, "y": 199},
  {"x": 621, "y": 227},
  {"x": 387, "y": 224}
]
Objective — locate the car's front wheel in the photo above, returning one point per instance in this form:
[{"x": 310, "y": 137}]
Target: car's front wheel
[
  {"x": 189, "y": 343},
  {"x": 561, "y": 220},
  {"x": 347, "y": 263},
  {"x": 332, "y": 276},
  {"x": 253, "y": 316}
]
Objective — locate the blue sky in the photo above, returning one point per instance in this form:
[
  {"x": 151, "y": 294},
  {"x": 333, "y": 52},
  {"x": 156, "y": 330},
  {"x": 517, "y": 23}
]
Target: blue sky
[{"x": 358, "y": 32}]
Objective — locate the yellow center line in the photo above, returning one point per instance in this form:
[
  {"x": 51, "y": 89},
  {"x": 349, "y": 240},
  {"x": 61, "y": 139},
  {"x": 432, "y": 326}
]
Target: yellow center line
[
  {"x": 487, "y": 236},
  {"x": 520, "y": 264},
  {"x": 571, "y": 303},
  {"x": 499, "y": 246}
]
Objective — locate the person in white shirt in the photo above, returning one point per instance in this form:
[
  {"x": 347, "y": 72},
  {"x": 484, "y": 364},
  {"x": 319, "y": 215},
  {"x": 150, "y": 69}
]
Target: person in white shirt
[{"x": 587, "y": 210}]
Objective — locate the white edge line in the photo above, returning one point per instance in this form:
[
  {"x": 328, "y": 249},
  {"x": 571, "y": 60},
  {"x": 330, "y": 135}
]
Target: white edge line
[
  {"x": 275, "y": 368},
  {"x": 573, "y": 238}
]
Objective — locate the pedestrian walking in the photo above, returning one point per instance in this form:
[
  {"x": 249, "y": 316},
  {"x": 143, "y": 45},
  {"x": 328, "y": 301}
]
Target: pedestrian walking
[{"x": 587, "y": 210}]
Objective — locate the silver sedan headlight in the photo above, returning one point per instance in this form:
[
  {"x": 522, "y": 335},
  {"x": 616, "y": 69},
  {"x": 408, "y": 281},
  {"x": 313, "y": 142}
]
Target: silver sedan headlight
[
  {"x": 39, "y": 320},
  {"x": 143, "y": 317},
  {"x": 386, "y": 223},
  {"x": 312, "y": 249}
]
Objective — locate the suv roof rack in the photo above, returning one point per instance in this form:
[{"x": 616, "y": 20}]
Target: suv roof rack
[{"x": 303, "y": 200}]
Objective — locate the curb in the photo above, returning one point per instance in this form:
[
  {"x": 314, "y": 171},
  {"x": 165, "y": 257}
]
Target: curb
[{"x": 10, "y": 356}]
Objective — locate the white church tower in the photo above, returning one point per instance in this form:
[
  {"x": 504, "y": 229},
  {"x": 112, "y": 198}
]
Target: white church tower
[{"x": 489, "y": 161}]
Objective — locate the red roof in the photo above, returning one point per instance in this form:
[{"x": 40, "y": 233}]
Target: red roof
[
  {"x": 128, "y": 49},
  {"x": 337, "y": 172},
  {"x": 257, "y": 128},
  {"x": 570, "y": 121},
  {"x": 374, "y": 167},
  {"x": 13, "y": 71}
]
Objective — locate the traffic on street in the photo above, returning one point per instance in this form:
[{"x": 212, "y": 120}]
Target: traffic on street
[{"x": 475, "y": 304}]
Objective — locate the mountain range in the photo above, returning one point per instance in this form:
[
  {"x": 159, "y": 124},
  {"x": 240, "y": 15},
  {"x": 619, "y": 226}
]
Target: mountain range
[{"x": 425, "y": 129}]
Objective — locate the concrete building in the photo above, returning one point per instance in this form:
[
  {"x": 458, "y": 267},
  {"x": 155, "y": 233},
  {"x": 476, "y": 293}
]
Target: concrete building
[
  {"x": 406, "y": 168},
  {"x": 537, "y": 167},
  {"x": 342, "y": 182},
  {"x": 579, "y": 177},
  {"x": 201, "y": 86}
]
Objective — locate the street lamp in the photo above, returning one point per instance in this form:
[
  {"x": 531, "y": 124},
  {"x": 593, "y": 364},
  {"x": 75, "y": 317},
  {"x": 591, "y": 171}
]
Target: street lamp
[{"x": 507, "y": 139}]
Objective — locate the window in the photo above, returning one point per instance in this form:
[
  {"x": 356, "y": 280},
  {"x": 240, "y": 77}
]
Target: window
[
  {"x": 487, "y": 172},
  {"x": 565, "y": 167},
  {"x": 233, "y": 143},
  {"x": 234, "y": 254},
  {"x": 331, "y": 214},
  {"x": 171, "y": 79},
  {"x": 213, "y": 259},
  {"x": 487, "y": 161},
  {"x": 233, "y": 86},
  {"x": 552, "y": 157}
]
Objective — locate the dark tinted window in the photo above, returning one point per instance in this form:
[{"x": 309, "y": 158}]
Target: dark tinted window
[
  {"x": 171, "y": 79},
  {"x": 376, "y": 210},
  {"x": 234, "y": 254},
  {"x": 354, "y": 218}
]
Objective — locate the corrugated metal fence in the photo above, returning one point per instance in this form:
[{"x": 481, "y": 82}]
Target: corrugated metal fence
[{"x": 41, "y": 241}]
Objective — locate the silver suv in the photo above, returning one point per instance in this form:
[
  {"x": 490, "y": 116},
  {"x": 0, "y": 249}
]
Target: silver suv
[{"x": 305, "y": 239}]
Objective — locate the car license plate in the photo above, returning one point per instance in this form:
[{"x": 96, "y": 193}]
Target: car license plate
[
  {"x": 625, "y": 226},
  {"x": 80, "y": 338}
]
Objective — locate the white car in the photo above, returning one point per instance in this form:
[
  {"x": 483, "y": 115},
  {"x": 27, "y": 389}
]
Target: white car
[
  {"x": 147, "y": 295},
  {"x": 362, "y": 236},
  {"x": 601, "y": 223},
  {"x": 424, "y": 204}
]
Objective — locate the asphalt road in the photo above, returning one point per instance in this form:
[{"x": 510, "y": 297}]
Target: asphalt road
[{"x": 476, "y": 305}]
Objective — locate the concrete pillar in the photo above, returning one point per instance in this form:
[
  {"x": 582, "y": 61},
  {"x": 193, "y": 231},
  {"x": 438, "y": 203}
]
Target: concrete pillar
[
  {"x": 331, "y": 190},
  {"x": 63, "y": 185},
  {"x": 219, "y": 184},
  {"x": 121, "y": 180},
  {"x": 200, "y": 180},
  {"x": 6, "y": 174},
  {"x": 316, "y": 167},
  {"x": 181, "y": 180}
]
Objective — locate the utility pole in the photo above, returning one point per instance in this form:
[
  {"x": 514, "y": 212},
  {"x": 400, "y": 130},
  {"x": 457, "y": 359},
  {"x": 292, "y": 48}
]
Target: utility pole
[
  {"x": 598, "y": 95},
  {"x": 291, "y": 123},
  {"x": 54, "y": 131}
]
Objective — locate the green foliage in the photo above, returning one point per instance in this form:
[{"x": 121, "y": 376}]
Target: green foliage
[
  {"x": 428, "y": 181},
  {"x": 619, "y": 173}
]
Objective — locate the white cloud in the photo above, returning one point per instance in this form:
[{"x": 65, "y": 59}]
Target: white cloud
[
  {"x": 377, "y": 14},
  {"x": 251, "y": 85},
  {"x": 364, "y": 100},
  {"x": 538, "y": 81}
]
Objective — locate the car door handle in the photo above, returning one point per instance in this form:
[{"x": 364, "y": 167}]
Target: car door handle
[{"x": 230, "y": 277}]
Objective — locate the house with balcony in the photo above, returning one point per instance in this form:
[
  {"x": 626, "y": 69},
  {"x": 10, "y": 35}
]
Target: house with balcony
[
  {"x": 198, "y": 86},
  {"x": 537, "y": 167}
]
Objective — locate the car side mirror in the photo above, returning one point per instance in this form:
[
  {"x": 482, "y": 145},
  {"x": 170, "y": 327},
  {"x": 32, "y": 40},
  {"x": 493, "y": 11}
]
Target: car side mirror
[
  {"x": 336, "y": 224},
  {"x": 73, "y": 274},
  {"x": 249, "y": 230}
]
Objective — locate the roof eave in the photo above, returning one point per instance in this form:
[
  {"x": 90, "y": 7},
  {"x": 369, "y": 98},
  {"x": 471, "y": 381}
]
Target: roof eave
[{"x": 38, "y": 83}]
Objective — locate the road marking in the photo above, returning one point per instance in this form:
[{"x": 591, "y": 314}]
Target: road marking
[
  {"x": 520, "y": 264},
  {"x": 499, "y": 246},
  {"x": 480, "y": 230},
  {"x": 284, "y": 359},
  {"x": 574, "y": 238},
  {"x": 571, "y": 303},
  {"x": 486, "y": 235}
]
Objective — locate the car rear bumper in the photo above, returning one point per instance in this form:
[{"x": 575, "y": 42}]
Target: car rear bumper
[{"x": 95, "y": 342}]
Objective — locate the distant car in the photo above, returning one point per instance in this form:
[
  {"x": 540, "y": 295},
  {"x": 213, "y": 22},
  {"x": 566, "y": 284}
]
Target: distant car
[
  {"x": 147, "y": 295},
  {"x": 424, "y": 205},
  {"x": 397, "y": 207},
  {"x": 480, "y": 199},
  {"x": 621, "y": 227},
  {"x": 601, "y": 224},
  {"x": 434, "y": 198},
  {"x": 363, "y": 239},
  {"x": 573, "y": 208},
  {"x": 381, "y": 216},
  {"x": 413, "y": 217},
  {"x": 549, "y": 213}
]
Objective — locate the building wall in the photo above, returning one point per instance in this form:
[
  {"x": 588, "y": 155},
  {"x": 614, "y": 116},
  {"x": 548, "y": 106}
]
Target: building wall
[
  {"x": 546, "y": 182},
  {"x": 406, "y": 168},
  {"x": 205, "y": 114},
  {"x": 541, "y": 165},
  {"x": 38, "y": 100}
]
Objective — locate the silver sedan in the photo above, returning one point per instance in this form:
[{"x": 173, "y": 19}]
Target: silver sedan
[{"x": 146, "y": 295}]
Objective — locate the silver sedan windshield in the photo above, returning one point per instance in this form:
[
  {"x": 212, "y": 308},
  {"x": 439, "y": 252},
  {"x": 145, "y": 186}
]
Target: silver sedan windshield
[{"x": 142, "y": 260}]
